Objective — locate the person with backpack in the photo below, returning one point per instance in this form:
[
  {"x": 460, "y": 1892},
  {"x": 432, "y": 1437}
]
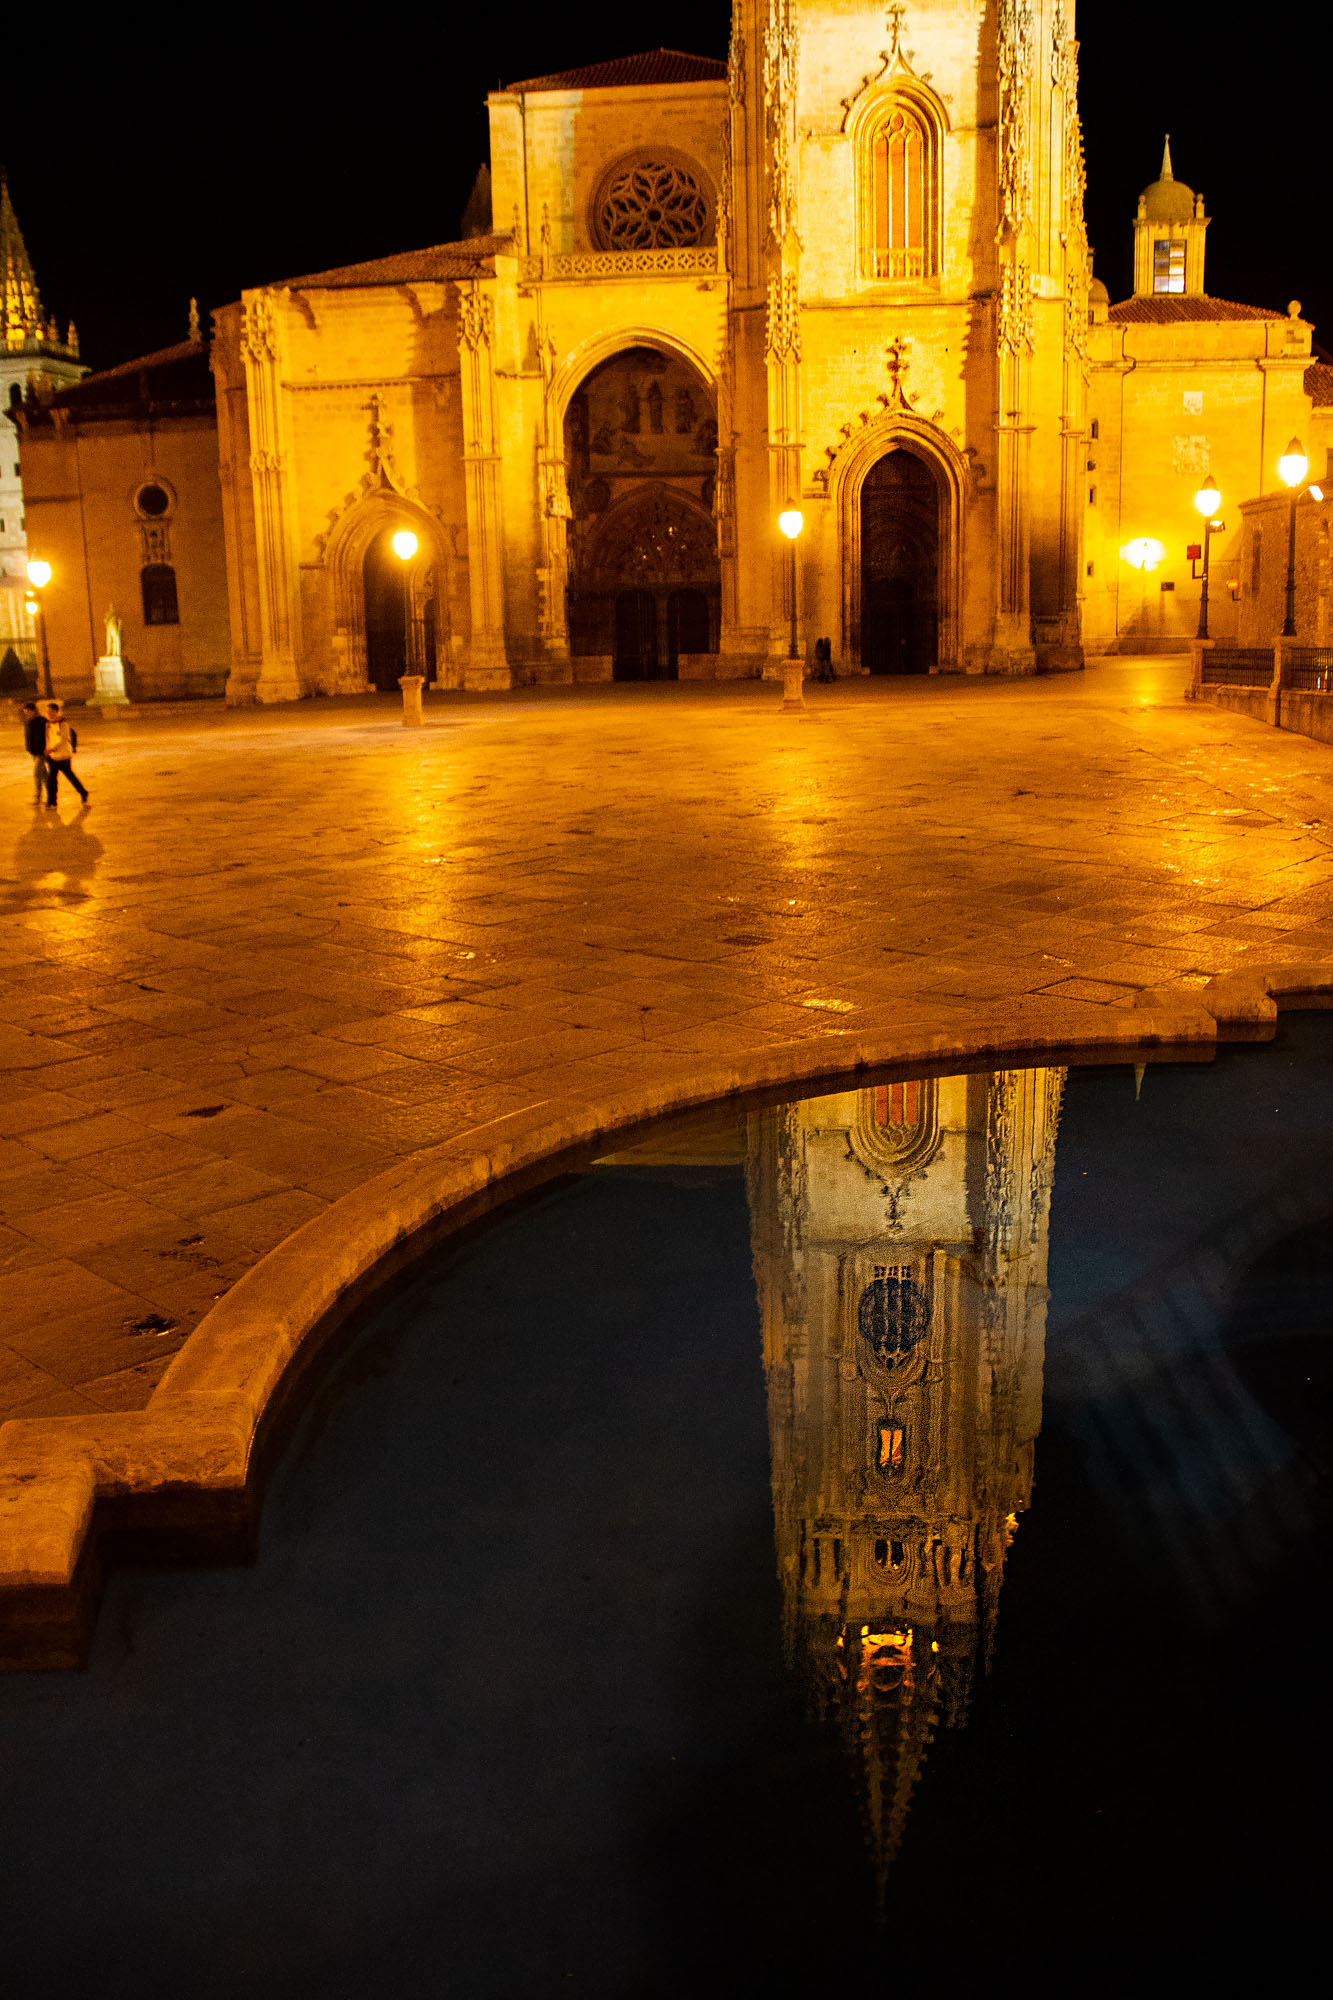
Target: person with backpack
[
  {"x": 62, "y": 740},
  {"x": 34, "y": 742}
]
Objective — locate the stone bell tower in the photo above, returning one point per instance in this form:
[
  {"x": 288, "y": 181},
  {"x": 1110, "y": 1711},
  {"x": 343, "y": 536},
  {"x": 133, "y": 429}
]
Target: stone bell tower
[
  {"x": 900, "y": 1242},
  {"x": 909, "y": 276},
  {"x": 1170, "y": 228}
]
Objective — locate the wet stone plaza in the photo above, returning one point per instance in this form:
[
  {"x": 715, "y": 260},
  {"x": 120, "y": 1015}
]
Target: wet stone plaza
[
  {"x": 869, "y": 1525},
  {"x": 284, "y": 951}
]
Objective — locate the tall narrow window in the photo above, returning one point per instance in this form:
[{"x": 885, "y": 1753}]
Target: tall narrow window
[
  {"x": 1168, "y": 267},
  {"x": 902, "y": 198},
  {"x": 158, "y": 583}
]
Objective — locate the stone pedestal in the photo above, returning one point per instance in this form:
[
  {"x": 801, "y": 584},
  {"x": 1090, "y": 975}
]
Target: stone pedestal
[
  {"x": 109, "y": 683},
  {"x": 412, "y": 684},
  {"x": 793, "y": 684}
]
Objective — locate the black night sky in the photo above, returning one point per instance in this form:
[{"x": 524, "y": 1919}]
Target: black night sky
[{"x": 145, "y": 168}]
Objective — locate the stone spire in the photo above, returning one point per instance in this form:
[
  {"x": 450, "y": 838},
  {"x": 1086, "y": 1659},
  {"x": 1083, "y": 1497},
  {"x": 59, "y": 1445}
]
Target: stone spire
[
  {"x": 20, "y": 301},
  {"x": 1166, "y": 173}
]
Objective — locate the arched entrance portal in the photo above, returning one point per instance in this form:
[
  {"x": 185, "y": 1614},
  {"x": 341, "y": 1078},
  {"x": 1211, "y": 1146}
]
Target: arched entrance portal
[
  {"x": 400, "y": 614},
  {"x": 900, "y": 566},
  {"x": 645, "y": 586}
]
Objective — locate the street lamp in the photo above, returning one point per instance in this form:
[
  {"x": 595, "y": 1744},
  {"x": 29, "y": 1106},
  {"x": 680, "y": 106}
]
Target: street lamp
[
  {"x": 1293, "y": 466},
  {"x": 39, "y": 575},
  {"x": 1208, "y": 499},
  {"x": 791, "y": 521},
  {"x": 405, "y": 545}
]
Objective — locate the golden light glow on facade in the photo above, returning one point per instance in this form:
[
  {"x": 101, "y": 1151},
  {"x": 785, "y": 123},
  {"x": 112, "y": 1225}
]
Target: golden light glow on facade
[{"x": 1144, "y": 552}]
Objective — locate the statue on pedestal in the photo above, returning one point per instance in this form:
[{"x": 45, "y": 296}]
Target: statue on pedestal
[{"x": 109, "y": 673}]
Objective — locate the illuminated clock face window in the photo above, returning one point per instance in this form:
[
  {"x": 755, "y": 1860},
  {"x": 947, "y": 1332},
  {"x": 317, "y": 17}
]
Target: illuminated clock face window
[{"x": 893, "y": 1315}]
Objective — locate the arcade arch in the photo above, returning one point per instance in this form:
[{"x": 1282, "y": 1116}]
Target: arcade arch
[
  {"x": 644, "y": 577},
  {"x": 387, "y": 617},
  {"x": 901, "y": 495}
]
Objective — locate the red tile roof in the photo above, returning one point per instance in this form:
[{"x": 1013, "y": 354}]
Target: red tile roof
[
  {"x": 1143, "y": 311},
  {"x": 173, "y": 381},
  {"x": 1319, "y": 384},
  {"x": 184, "y": 350},
  {"x": 652, "y": 66},
  {"x": 473, "y": 259}
]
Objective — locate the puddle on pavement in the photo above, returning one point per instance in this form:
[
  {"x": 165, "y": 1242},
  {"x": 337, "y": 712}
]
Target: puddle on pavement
[{"x": 879, "y": 1538}]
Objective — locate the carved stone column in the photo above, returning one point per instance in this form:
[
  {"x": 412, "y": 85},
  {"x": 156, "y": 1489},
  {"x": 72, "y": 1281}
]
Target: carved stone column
[
  {"x": 1068, "y": 648},
  {"x": 487, "y": 662},
  {"x": 1012, "y": 649},
  {"x": 279, "y": 677},
  {"x": 782, "y": 322},
  {"x": 553, "y": 576}
]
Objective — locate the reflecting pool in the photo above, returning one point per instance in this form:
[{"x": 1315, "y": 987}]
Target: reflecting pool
[{"x": 881, "y": 1538}]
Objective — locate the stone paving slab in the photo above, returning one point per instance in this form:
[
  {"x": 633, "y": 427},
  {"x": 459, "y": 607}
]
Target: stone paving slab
[{"x": 285, "y": 949}]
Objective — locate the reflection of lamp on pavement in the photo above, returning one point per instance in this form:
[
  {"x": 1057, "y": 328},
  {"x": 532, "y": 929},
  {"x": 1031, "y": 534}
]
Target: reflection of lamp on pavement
[
  {"x": 405, "y": 545},
  {"x": 1293, "y": 466},
  {"x": 1208, "y": 499},
  {"x": 791, "y": 521},
  {"x": 39, "y": 575}
]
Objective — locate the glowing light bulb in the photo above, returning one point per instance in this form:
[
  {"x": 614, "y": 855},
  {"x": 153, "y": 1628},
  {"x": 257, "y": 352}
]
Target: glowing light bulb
[
  {"x": 405, "y": 545},
  {"x": 791, "y": 521},
  {"x": 39, "y": 573},
  {"x": 1208, "y": 498},
  {"x": 1293, "y": 464}
]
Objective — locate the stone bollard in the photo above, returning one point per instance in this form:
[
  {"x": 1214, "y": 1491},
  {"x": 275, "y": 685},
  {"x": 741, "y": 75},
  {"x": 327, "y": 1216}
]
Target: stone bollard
[
  {"x": 412, "y": 684},
  {"x": 793, "y": 684}
]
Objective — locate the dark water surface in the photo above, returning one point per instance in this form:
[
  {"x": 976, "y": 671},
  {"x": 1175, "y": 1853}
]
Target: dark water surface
[{"x": 741, "y": 1537}]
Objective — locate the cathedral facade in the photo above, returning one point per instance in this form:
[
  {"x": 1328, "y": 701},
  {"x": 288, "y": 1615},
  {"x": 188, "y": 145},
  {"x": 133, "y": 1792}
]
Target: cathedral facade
[
  {"x": 844, "y": 272},
  {"x": 900, "y": 1242},
  {"x": 842, "y": 277}
]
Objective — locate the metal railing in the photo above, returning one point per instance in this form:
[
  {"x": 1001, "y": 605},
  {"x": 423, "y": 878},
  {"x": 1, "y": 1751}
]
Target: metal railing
[
  {"x": 1308, "y": 669},
  {"x": 1238, "y": 666}
]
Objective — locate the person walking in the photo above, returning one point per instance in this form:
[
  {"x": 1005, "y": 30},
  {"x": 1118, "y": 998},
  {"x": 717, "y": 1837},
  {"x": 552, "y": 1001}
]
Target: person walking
[
  {"x": 61, "y": 742},
  {"x": 34, "y": 742}
]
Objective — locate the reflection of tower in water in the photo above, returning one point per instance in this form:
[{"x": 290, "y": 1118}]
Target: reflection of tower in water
[{"x": 900, "y": 1241}]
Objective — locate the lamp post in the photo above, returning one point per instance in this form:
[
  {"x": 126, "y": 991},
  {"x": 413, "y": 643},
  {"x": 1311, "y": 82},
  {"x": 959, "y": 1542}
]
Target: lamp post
[
  {"x": 405, "y": 545},
  {"x": 1208, "y": 499},
  {"x": 791, "y": 521},
  {"x": 1293, "y": 466},
  {"x": 39, "y": 575}
]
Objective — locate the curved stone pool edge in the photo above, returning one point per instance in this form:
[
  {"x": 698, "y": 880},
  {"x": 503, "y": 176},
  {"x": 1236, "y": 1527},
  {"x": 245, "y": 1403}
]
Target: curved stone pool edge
[{"x": 184, "y": 1475}]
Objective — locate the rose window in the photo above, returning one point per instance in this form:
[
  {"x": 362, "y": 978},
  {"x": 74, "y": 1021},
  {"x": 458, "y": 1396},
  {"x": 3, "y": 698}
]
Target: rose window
[{"x": 652, "y": 205}]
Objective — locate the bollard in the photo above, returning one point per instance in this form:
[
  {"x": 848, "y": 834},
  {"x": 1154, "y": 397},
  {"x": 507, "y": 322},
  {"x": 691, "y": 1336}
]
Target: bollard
[
  {"x": 412, "y": 684},
  {"x": 793, "y": 684}
]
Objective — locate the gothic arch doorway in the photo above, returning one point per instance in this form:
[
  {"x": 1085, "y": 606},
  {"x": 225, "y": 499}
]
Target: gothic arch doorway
[
  {"x": 900, "y": 566},
  {"x": 400, "y": 612},
  {"x": 645, "y": 580}
]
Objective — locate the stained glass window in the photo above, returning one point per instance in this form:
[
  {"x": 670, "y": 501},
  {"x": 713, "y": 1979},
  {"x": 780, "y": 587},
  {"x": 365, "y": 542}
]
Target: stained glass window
[{"x": 901, "y": 197}]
